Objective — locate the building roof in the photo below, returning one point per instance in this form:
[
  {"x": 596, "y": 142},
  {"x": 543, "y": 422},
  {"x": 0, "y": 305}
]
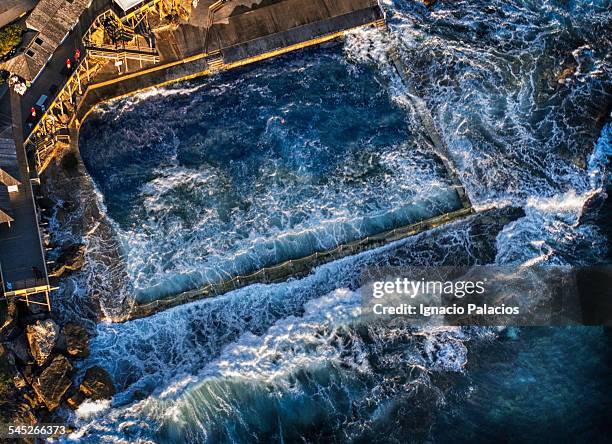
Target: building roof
[
  {"x": 127, "y": 4},
  {"x": 52, "y": 20},
  {"x": 8, "y": 162},
  {"x": 11, "y": 10},
  {"x": 24, "y": 67},
  {"x": 8, "y": 168}
]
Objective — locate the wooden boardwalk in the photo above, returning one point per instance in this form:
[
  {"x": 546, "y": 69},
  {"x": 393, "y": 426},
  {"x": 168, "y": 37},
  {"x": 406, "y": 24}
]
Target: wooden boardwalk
[{"x": 22, "y": 260}]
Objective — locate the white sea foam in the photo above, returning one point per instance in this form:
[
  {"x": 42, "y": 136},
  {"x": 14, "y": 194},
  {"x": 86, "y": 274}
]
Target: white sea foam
[
  {"x": 203, "y": 223},
  {"x": 324, "y": 335},
  {"x": 91, "y": 408},
  {"x": 511, "y": 143}
]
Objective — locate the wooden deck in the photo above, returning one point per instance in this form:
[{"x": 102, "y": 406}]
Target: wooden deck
[{"x": 22, "y": 260}]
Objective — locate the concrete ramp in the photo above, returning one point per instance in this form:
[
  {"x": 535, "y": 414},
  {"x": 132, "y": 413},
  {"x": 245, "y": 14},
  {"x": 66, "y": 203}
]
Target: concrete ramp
[{"x": 288, "y": 23}]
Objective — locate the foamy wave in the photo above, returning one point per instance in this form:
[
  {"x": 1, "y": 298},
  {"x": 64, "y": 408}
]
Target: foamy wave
[
  {"x": 327, "y": 335},
  {"x": 91, "y": 408},
  {"x": 549, "y": 232}
]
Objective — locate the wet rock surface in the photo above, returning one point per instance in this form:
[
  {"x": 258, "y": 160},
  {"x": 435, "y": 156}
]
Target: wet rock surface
[
  {"x": 54, "y": 381},
  {"x": 8, "y": 321},
  {"x": 42, "y": 337},
  {"x": 97, "y": 384},
  {"x": 14, "y": 406},
  {"x": 74, "y": 340},
  {"x": 36, "y": 374},
  {"x": 19, "y": 347},
  {"x": 71, "y": 258},
  {"x": 7, "y": 363},
  {"x": 75, "y": 400},
  {"x": 592, "y": 207},
  {"x": 77, "y": 213}
]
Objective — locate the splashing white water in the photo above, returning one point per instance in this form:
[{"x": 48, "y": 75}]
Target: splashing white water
[{"x": 512, "y": 138}]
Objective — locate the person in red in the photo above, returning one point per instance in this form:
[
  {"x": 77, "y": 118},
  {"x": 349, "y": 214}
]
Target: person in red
[
  {"x": 68, "y": 64},
  {"x": 33, "y": 112},
  {"x": 77, "y": 54}
]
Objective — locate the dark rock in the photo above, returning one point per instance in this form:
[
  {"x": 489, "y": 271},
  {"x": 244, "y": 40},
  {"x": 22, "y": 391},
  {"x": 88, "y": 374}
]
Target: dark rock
[
  {"x": 51, "y": 385},
  {"x": 590, "y": 208},
  {"x": 70, "y": 259},
  {"x": 14, "y": 391},
  {"x": 32, "y": 399},
  {"x": 28, "y": 373},
  {"x": 70, "y": 162},
  {"x": 69, "y": 206},
  {"x": 75, "y": 400},
  {"x": 38, "y": 311},
  {"x": 9, "y": 393},
  {"x": 7, "y": 361},
  {"x": 42, "y": 337},
  {"x": 26, "y": 414},
  {"x": 567, "y": 72},
  {"x": 97, "y": 384},
  {"x": 27, "y": 317},
  {"x": 45, "y": 203},
  {"x": 8, "y": 320},
  {"x": 19, "y": 381},
  {"x": 19, "y": 346},
  {"x": 74, "y": 340}
]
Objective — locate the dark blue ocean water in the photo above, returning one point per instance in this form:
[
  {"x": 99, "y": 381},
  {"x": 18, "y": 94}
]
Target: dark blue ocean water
[
  {"x": 533, "y": 385},
  {"x": 212, "y": 177},
  {"x": 260, "y": 165}
]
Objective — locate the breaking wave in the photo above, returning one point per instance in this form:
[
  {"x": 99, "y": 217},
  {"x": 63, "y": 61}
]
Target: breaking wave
[{"x": 518, "y": 90}]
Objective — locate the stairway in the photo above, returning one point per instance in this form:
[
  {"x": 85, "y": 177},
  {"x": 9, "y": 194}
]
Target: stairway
[
  {"x": 210, "y": 19},
  {"x": 216, "y": 64}
]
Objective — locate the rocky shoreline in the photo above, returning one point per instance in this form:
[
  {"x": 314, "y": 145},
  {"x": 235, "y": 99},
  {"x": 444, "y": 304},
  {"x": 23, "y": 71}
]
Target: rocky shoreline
[
  {"x": 38, "y": 357},
  {"x": 40, "y": 351},
  {"x": 84, "y": 244}
]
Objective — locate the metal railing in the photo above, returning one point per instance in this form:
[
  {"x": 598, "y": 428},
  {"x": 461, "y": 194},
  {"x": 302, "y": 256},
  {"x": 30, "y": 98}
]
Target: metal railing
[
  {"x": 25, "y": 284},
  {"x": 90, "y": 46}
]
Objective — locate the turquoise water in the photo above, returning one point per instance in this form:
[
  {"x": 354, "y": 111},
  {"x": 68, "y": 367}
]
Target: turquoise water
[{"x": 320, "y": 146}]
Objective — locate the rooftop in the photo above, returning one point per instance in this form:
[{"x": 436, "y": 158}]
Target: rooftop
[
  {"x": 127, "y": 4},
  {"x": 51, "y": 20},
  {"x": 11, "y": 10}
]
